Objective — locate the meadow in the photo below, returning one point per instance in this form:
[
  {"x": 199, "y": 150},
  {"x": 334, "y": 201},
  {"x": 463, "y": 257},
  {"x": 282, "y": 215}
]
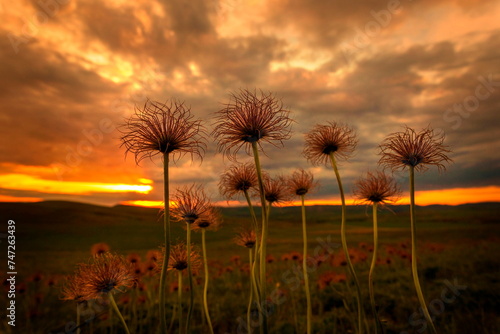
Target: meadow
[{"x": 458, "y": 259}]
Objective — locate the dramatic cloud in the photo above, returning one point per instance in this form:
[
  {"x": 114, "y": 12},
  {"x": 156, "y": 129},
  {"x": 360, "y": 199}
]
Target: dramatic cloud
[{"x": 72, "y": 71}]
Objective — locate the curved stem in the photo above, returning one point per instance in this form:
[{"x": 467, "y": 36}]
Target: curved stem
[
  {"x": 166, "y": 255},
  {"x": 115, "y": 307},
  {"x": 304, "y": 267},
  {"x": 414, "y": 252},
  {"x": 264, "y": 236},
  {"x": 205, "y": 288},
  {"x": 78, "y": 318},
  {"x": 249, "y": 309},
  {"x": 372, "y": 268},
  {"x": 190, "y": 279},
  {"x": 344, "y": 244},
  {"x": 179, "y": 297},
  {"x": 255, "y": 262}
]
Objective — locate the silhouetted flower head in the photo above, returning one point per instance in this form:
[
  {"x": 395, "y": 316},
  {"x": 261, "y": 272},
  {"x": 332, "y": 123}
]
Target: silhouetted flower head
[
  {"x": 245, "y": 238},
  {"x": 376, "y": 188},
  {"x": 238, "y": 179},
  {"x": 251, "y": 117},
  {"x": 191, "y": 203},
  {"x": 106, "y": 273},
  {"x": 179, "y": 258},
  {"x": 409, "y": 148},
  {"x": 301, "y": 182},
  {"x": 99, "y": 249},
  {"x": 211, "y": 220},
  {"x": 73, "y": 289},
  {"x": 275, "y": 189},
  {"x": 324, "y": 140},
  {"x": 160, "y": 128}
]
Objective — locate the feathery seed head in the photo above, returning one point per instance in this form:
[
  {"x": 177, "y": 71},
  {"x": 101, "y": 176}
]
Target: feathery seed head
[
  {"x": 238, "y": 179},
  {"x": 376, "y": 188},
  {"x": 163, "y": 128},
  {"x": 251, "y": 117},
  {"x": 409, "y": 148},
  {"x": 324, "y": 140},
  {"x": 301, "y": 182}
]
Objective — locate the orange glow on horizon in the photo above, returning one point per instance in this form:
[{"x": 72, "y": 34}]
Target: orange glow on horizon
[
  {"x": 147, "y": 204},
  {"x": 455, "y": 196},
  {"x": 5, "y": 198},
  {"x": 31, "y": 183}
]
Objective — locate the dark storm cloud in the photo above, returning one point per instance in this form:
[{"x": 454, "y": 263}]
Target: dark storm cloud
[
  {"x": 46, "y": 101},
  {"x": 49, "y": 99}
]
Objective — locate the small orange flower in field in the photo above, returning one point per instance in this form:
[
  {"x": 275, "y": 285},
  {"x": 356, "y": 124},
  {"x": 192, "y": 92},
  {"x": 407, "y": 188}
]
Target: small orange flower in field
[
  {"x": 149, "y": 268},
  {"x": 251, "y": 118},
  {"x": 238, "y": 179},
  {"x": 107, "y": 273},
  {"x": 36, "y": 278},
  {"x": 285, "y": 257},
  {"x": 99, "y": 249},
  {"x": 270, "y": 259},
  {"x": 134, "y": 258},
  {"x": 324, "y": 140},
  {"x": 174, "y": 286},
  {"x": 328, "y": 278},
  {"x": 245, "y": 238},
  {"x": 153, "y": 255},
  {"x": 296, "y": 256},
  {"x": 236, "y": 259},
  {"x": 163, "y": 128},
  {"x": 376, "y": 188},
  {"x": 411, "y": 149}
]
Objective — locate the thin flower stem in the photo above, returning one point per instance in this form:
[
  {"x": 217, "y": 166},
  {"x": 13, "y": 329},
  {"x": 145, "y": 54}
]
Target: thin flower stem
[
  {"x": 414, "y": 252},
  {"x": 250, "y": 299},
  {"x": 78, "y": 318},
  {"x": 264, "y": 236},
  {"x": 378, "y": 327},
  {"x": 344, "y": 243},
  {"x": 304, "y": 267},
  {"x": 190, "y": 279},
  {"x": 166, "y": 234},
  {"x": 255, "y": 263},
  {"x": 179, "y": 297},
  {"x": 205, "y": 288},
  {"x": 115, "y": 307}
]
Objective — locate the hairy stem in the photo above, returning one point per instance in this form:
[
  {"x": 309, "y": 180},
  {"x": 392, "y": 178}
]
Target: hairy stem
[
  {"x": 179, "y": 297},
  {"x": 414, "y": 253},
  {"x": 205, "y": 288},
  {"x": 304, "y": 267},
  {"x": 264, "y": 236},
  {"x": 115, "y": 307},
  {"x": 344, "y": 244},
  {"x": 190, "y": 279},
  {"x": 166, "y": 255},
  {"x": 78, "y": 318},
  {"x": 256, "y": 248},
  {"x": 250, "y": 299},
  {"x": 378, "y": 327}
]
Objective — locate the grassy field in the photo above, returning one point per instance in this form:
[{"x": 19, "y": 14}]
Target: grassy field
[{"x": 459, "y": 246}]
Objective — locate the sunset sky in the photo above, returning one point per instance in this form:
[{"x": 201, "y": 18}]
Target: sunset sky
[{"x": 72, "y": 71}]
